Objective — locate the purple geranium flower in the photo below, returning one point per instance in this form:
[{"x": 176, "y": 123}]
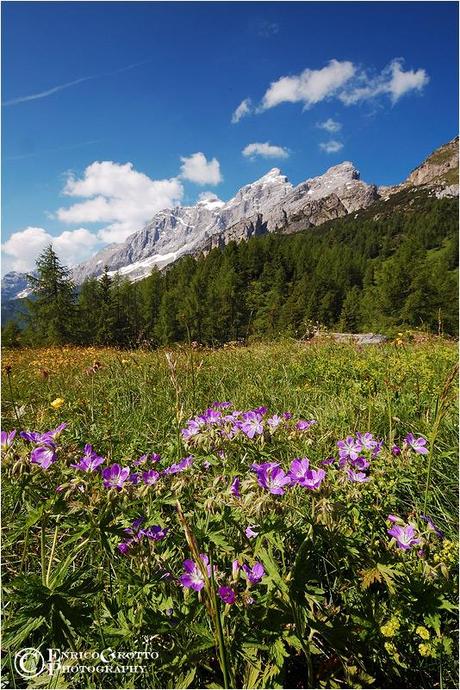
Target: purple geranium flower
[
  {"x": 299, "y": 468},
  {"x": 417, "y": 444},
  {"x": 252, "y": 424},
  {"x": 179, "y": 466},
  {"x": 193, "y": 577},
  {"x": 150, "y": 477},
  {"x": 123, "y": 546},
  {"x": 273, "y": 479},
  {"x": 90, "y": 461},
  {"x": 360, "y": 463},
  {"x": 405, "y": 536},
  {"x": 396, "y": 450},
  {"x": 357, "y": 476},
  {"x": 349, "y": 448},
  {"x": 235, "y": 487},
  {"x": 235, "y": 569},
  {"x": 155, "y": 532},
  {"x": 328, "y": 461},
  {"x": 254, "y": 574},
  {"x": 115, "y": 476},
  {"x": 7, "y": 438},
  {"x": 304, "y": 424},
  {"x": 366, "y": 440},
  {"x": 249, "y": 532},
  {"x": 377, "y": 449},
  {"x": 432, "y": 526},
  {"x": 44, "y": 456},
  {"x": 274, "y": 422},
  {"x": 227, "y": 594}
]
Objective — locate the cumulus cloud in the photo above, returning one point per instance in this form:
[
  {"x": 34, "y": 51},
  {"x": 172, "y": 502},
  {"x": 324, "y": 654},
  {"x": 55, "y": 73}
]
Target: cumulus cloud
[
  {"x": 393, "y": 81},
  {"x": 119, "y": 195},
  {"x": 265, "y": 150},
  {"x": 243, "y": 109},
  {"x": 309, "y": 87},
  {"x": 196, "y": 168},
  {"x": 330, "y": 125},
  {"x": 331, "y": 146},
  {"x": 342, "y": 80},
  {"x": 22, "y": 248}
]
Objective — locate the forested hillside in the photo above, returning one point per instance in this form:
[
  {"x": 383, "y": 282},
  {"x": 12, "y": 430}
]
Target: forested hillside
[{"x": 391, "y": 266}]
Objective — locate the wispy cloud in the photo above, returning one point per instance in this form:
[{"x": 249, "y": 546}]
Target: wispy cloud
[
  {"x": 331, "y": 146},
  {"x": 68, "y": 84},
  {"x": 244, "y": 109},
  {"x": 34, "y": 154},
  {"x": 330, "y": 125}
]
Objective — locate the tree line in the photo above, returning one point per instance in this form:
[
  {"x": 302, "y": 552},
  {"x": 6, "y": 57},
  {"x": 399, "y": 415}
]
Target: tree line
[{"x": 374, "y": 272}]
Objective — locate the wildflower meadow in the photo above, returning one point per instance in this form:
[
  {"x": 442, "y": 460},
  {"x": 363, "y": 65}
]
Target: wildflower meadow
[{"x": 262, "y": 516}]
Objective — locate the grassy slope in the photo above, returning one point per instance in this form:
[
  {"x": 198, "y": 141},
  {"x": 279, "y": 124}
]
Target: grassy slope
[{"x": 128, "y": 407}]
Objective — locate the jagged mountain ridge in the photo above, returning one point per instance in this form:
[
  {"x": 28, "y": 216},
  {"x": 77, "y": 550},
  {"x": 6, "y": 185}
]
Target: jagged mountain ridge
[{"x": 270, "y": 204}]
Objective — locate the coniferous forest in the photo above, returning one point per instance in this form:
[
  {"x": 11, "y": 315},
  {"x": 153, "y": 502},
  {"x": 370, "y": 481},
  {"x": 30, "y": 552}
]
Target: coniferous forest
[{"x": 390, "y": 267}]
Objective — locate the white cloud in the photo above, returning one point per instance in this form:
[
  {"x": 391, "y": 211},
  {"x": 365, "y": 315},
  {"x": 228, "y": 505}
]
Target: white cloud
[
  {"x": 196, "y": 168},
  {"x": 243, "y": 109},
  {"x": 392, "y": 81},
  {"x": 402, "y": 82},
  {"x": 331, "y": 146},
  {"x": 118, "y": 195},
  {"x": 22, "y": 248},
  {"x": 265, "y": 150},
  {"x": 309, "y": 87},
  {"x": 330, "y": 125}
]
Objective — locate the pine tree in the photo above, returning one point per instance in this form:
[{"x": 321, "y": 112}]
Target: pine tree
[{"x": 52, "y": 309}]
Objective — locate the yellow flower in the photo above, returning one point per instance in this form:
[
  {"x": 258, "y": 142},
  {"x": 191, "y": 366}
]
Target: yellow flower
[
  {"x": 125, "y": 361},
  {"x": 391, "y": 628},
  {"x": 422, "y": 632},
  {"x": 56, "y": 404},
  {"x": 424, "y": 649}
]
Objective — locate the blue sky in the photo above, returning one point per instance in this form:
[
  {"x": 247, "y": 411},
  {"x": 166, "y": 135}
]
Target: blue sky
[{"x": 89, "y": 88}]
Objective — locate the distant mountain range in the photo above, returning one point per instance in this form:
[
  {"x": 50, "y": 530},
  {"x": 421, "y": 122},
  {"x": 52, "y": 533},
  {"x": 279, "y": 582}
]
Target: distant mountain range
[{"x": 268, "y": 205}]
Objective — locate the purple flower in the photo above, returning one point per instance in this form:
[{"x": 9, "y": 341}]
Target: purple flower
[
  {"x": 7, "y": 439},
  {"x": 227, "y": 594},
  {"x": 256, "y": 467},
  {"x": 150, "y": 477},
  {"x": 328, "y": 461},
  {"x": 303, "y": 424},
  {"x": 405, "y": 536},
  {"x": 251, "y": 424},
  {"x": 138, "y": 522},
  {"x": 235, "y": 569},
  {"x": 357, "y": 476},
  {"x": 123, "y": 546},
  {"x": 254, "y": 574},
  {"x": 260, "y": 410},
  {"x": 377, "y": 449},
  {"x": 193, "y": 577},
  {"x": 179, "y": 466},
  {"x": 360, "y": 463},
  {"x": 206, "y": 464},
  {"x": 274, "y": 422},
  {"x": 90, "y": 461},
  {"x": 417, "y": 444},
  {"x": 273, "y": 479},
  {"x": 222, "y": 405},
  {"x": 287, "y": 415},
  {"x": 43, "y": 456},
  {"x": 366, "y": 440},
  {"x": 299, "y": 468},
  {"x": 301, "y": 474},
  {"x": 432, "y": 526},
  {"x": 155, "y": 532},
  {"x": 249, "y": 532},
  {"x": 115, "y": 476},
  {"x": 141, "y": 460},
  {"x": 394, "y": 518},
  {"x": 235, "y": 487},
  {"x": 396, "y": 450},
  {"x": 134, "y": 478},
  {"x": 349, "y": 448}
]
